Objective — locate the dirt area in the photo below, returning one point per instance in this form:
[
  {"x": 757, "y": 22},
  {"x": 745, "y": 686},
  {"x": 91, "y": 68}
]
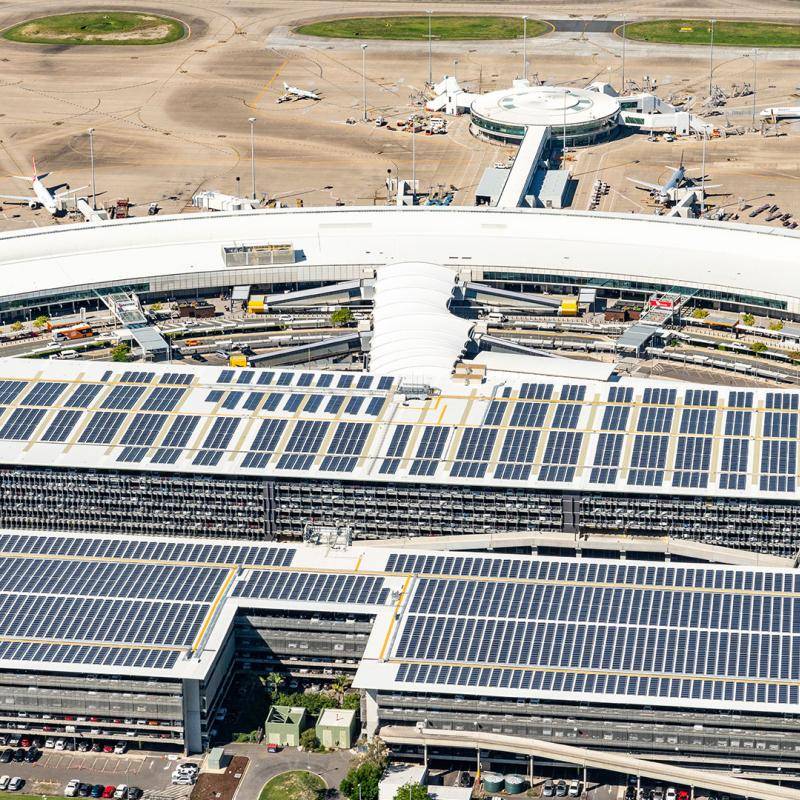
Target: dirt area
[
  {"x": 33, "y": 30},
  {"x": 171, "y": 120},
  {"x": 220, "y": 786}
]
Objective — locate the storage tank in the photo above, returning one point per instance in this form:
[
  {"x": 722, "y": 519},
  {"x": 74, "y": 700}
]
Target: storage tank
[
  {"x": 492, "y": 782},
  {"x": 514, "y": 784}
]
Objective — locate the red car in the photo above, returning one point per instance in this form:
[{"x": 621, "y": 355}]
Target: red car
[
  {"x": 273, "y": 748},
  {"x": 108, "y": 748},
  {"x": 24, "y": 742},
  {"x": 109, "y": 792},
  {"x": 683, "y": 795}
]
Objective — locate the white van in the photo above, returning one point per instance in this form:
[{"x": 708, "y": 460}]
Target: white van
[{"x": 69, "y": 354}]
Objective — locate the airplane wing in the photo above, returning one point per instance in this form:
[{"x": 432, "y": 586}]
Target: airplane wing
[
  {"x": 17, "y": 197},
  {"x": 653, "y": 187},
  {"x": 70, "y": 191}
]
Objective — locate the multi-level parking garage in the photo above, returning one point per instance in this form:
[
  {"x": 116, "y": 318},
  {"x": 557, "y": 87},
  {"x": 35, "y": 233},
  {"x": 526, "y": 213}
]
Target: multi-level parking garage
[
  {"x": 204, "y": 451},
  {"x": 678, "y": 663}
]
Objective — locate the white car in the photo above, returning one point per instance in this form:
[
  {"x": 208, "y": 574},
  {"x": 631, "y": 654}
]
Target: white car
[
  {"x": 182, "y": 779},
  {"x": 121, "y": 793},
  {"x": 49, "y": 743},
  {"x": 4, "y": 782},
  {"x": 120, "y": 748},
  {"x": 71, "y": 789},
  {"x": 575, "y": 789},
  {"x": 60, "y": 744},
  {"x": 671, "y": 793},
  {"x": 15, "y": 784}
]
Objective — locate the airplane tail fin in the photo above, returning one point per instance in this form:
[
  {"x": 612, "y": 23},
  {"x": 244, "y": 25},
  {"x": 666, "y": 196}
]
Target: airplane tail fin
[
  {"x": 285, "y": 86},
  {"x": 35, "y": 176}
]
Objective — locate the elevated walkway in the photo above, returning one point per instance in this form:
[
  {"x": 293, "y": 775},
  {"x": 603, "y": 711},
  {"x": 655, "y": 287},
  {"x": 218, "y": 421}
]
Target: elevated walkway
[
  {"x": 526, "y": 162},
  {"x": 330, "y": 347},
  {"x": 721, "y": 782},
  {"x": 343, "y": 292},
  {"x": 505, "y": 298}
]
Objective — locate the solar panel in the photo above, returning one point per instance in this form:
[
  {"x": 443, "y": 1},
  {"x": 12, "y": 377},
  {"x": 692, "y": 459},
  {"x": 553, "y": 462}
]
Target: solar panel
[
  {"x": 375, "y": 406},
  {"x": 397, "y": 446},
  {"x": 137, "y": 376},
  {"x": 648, "y": 460},
  {"x": 43, "y": 393},
  {"x": 285, "y": 379},
  {"x": 305, "y": 379},
  {"x": 474, "y": 452},
  {"x": 313, "y": 403},
  {"x": 304, "y": 442},
  {"x": 181, "y": 378},
  {"x": 265, "y": 378},
  {"x": 560, "y": 456},
  {"x": 607, "y": 456},
  {"x": 273, "y": 401},
  {"x": 245, "y": 377},
  {"x": 264, "y": 444},
  {"x": 325, "y": 379},
  {"x": 293, "y": 402},
  {"x": 354, "y": 405},
  {"x": 9, "y": 391},
  {"x": 22, "y": 423},
  {"x": 163, "y": 398},
  {"x": 314, "y": 588},
  {"x": 123, "y": 397},
  {"x": 226, "y": 376},
  {"x": 346, "y": 444},
  {"x": 62, "y": 426},
  {"x": 345, "y": 381},
  {"x": 495, "y": 412},
  {"x": 216, "y": 441},
  {"x": 364, "y": 382},
  {"x": 517, "y": 455},
  {"x": 175, "y": 439},
  {"x": 430, "y": 449},
  {"x": 334, "y": 404},
  {"x": 252, "y": 401},
  {"x": 143, "y": 429},
  {"x": 385, "y": 383},
  {"x": 83, "y": 395},
  {"x": 102, "y": 427}
]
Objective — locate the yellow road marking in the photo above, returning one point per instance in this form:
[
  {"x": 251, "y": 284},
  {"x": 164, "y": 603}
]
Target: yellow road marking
[
  {"x": 220, "y": 594},
  {"x": 358, "y": 563},
  {"x": 265, "y": 88},
  {"x": 394, "y": 615}
]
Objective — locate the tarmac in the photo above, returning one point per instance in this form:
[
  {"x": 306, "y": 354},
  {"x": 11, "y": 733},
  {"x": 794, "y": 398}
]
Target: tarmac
[{"x": 170, "y": 120}]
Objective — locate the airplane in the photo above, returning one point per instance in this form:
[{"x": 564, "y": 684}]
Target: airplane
[
  {"x": 784, "y": 112},
  {"x": 667, "y": 192},
  {"x": 293, "y": 93},
  {"x": 51, "y": 198}
]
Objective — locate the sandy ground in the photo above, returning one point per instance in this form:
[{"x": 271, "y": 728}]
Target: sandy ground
[{"x": 172, "y": 119}]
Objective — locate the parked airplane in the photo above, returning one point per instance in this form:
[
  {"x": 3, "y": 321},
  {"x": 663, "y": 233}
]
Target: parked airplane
[
  {"x": 667, "y": 192},
  {"x": 293, "y": 93},
  {"x": 783, "y": 112},
  {"x": 51, "y": 198}
]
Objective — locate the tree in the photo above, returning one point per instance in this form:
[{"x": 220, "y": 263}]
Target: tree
[
  {"x": 377, "y": 754},
  {"x": 274, "y": 680},
  {"x": 748, "y": 319},
  {"x": 412, "y": 791},
  {"x": 156, "y": 307},
  {"x": 309, "y": 741},
  {"x": 367, "y": 777},
  {"x": 758, "y": 347},
  {"x": 341, "y": 317},
  {"x": 340, "y": 684},
  {"x": 776, "y": 326},
  {"x": 122, "y": 352},
  {"x": 41, "y": 321},
  {"x": 16, "y": 326},
  {"x": 352, "y": 701},
  {"x": 700, "y": 313}
]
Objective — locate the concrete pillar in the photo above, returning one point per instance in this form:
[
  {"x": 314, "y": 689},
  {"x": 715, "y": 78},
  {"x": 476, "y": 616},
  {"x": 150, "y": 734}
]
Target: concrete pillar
[
  {"x": 371, "y": 717},
  {"x": 192, "y": 717}
]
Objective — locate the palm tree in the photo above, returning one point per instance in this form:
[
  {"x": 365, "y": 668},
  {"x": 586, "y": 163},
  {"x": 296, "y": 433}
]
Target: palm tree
[
  {"x": 274, "y": 679},
  {"x": 340, "y": 684}
]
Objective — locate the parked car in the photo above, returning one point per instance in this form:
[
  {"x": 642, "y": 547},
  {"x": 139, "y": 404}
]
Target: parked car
[
  {"x": 108, "y": 748},
  {"x": 72, "y": 788},
  {"x": 273, "y": 748},
  {"x": 134, "y": 793},
  {"x": 59, "y": 744},
  {"x": 19, "y": 755},
  {"x": 108, "y": 792},
  {"x": 4, "y": 780},
  {"x": 32, "y": 755},
  {"x": 15, "y": 784},
  {"x": 121, "y": 792},
  {"x": 97, "y": 747},
  {"x": 575, "y": 789},
  {"x": 13, "y": 740},
  {"x": 120, "y": 748},
  {"x": 549, "y": 789},
  {"x": 97, "y": 790},
  {"x": 671, "y": 793},
  {"x": 24, "y": 742},
  {"x": 6, "y": 755},
  {"x": 84, "y": 790},
  {"x": 49, "y": 743},
  {"x": 561, "y": 789},
  {"x": 188, "y": 767},
  {"x": 84, "y": 746}
]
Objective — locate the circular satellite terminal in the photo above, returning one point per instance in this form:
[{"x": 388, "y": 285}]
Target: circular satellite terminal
[{"x": 579, "y": 115}]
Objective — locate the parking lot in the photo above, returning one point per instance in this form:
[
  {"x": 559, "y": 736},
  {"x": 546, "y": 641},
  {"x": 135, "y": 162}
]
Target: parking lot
[{"x": 49, "y": 775}]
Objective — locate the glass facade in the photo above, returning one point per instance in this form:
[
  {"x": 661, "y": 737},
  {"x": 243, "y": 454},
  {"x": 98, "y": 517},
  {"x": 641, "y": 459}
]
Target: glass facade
[{"x": 577, "y": 134}]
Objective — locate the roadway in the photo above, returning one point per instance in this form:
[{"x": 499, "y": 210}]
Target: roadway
[{"x": 721, "y": 782}]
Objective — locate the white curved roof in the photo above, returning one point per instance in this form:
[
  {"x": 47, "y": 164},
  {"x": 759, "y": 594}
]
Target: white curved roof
[
  {"x": 415, "y": 335},
  {"x": 346, "y": 243},
  {"x": 545, "y": 105}
]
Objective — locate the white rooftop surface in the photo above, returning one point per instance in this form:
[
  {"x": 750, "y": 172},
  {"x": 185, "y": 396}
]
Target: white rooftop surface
[
  {"x": 508, "y": 366},
  {"x": 551, "y": 441},
  {"x": 351, "y": 242},
  {"x": 545, "y": 105},
  {"x": 415, "y": 335},
  {"x": 336, "y": 717}
]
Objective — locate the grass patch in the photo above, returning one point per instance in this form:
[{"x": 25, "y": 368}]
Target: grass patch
[
  {"x": 297, "y": 785},
  {"x": 23, "y": 796},
  {"x": 411, "y": 28},
  {"x": 698, "y": 31},
  {"x": 98, "y": 27}
]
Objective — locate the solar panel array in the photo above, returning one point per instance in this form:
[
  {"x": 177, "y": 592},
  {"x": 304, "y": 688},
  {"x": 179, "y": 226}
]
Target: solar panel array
[
  {"x": 123, "y": 603},
  {"x": 313, "y": 587},
  {"x": 653, "y": 632},
  {"x": 582, "y": 435}
]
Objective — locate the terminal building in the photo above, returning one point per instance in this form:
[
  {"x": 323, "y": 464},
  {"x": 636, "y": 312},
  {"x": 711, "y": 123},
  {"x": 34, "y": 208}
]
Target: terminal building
[
  {"x": 139, "y": 638},
  {"x": 576, "y": 117}
]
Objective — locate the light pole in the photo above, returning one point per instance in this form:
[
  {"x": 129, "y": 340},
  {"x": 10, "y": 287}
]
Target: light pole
[
  {"x": 624, "y": 21},
  {"x": 91, "y": 157},
  {"x": 429, "y": 12},
  {"x": 455, "y": 68},
  {"x": 364, "y": 76},
  {"x": 413, "y": 161},
  {"x": 755, "y": 79},
  {"x": 703, "y": 177},
  {"x": 252, "y": 121},
  {"x": 525, "y": 47},
  {"x": 711, "y": 58}
]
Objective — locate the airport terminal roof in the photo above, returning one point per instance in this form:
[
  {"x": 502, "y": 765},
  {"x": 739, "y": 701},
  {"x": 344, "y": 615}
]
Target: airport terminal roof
[
  {"x": 628, "y": 435},
  {"x": 454, "y": 623},
  {"x": 338, "y": 244}
]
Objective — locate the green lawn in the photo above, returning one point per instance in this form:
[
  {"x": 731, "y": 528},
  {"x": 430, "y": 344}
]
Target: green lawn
[
  {"x": 97, "y": 27},
  {"x": 698, "y": 31},
  {"x": 298, "y": 785},
  {"x": 416, "y": 28},
  {"x": 22, "y": 796}
]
